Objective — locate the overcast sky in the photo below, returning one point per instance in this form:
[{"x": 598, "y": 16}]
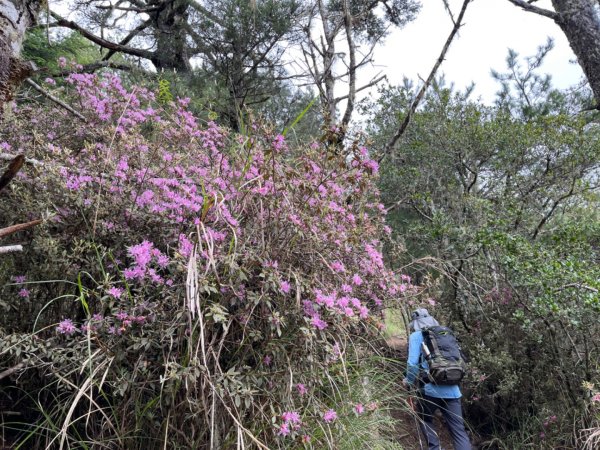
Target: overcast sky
[{"x": 491, "y": 27}]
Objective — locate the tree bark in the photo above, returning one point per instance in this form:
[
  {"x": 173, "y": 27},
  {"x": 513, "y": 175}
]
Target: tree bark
[
  {"x": 169, "y": 31},
  {"x": 15, "y": 17},
  {"x": 580, "y": 22}
]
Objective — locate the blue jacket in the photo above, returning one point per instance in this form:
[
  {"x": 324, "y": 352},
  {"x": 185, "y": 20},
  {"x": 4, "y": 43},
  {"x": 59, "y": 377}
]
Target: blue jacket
[{"x": 414, "y": 358}]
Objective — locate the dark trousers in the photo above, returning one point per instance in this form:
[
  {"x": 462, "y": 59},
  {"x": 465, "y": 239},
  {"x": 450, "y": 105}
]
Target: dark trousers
[{"x": 452, "y": 411}]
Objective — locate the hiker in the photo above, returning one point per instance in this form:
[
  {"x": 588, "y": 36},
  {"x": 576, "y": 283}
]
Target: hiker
[{"x": 433, "y": 396}]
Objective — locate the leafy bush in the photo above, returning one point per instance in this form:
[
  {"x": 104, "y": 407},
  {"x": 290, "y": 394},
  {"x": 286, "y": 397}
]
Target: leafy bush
[
  {"x": 507, "y": 207},
  {"x": 188, "y": 284}
]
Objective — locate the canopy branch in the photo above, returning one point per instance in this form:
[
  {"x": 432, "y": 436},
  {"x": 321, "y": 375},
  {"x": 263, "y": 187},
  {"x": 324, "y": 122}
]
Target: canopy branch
[
  {"x": 535, "y": 9},
  {"x": 100, "y": 41},
  {"x": 413, "y": 107}
]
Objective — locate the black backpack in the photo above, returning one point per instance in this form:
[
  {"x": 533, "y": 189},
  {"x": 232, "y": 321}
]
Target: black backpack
[{"x": 444, "y": 356}]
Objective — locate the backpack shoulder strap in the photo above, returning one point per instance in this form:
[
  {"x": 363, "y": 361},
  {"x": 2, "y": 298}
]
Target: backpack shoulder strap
[{"x": 433, "y": 340}]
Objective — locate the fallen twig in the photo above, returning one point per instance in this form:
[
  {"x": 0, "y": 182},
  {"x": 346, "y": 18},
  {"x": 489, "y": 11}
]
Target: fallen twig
[
  {"x": 9, "y": 157},
  {"x": 9, "y": 372},
  {"x": 11, "y": 249},
  {"x": 56, "y": 100},
  {"x": 19, "y": 227}
]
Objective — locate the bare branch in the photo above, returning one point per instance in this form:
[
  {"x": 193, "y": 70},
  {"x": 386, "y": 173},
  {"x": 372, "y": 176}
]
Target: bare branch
[
  {"x": 20, "y": 227},
  {"x": 56, "y": 100},
  {"x": 11, "y": 249},
  {"x": 19, "y": 366},
  {"x": 9, "y": 157},
  {"x": 413, "y": 107},
  {"x": 122, "y": 8},
  {"x": 534, "y": 9},
  {"x": 90, "y": 68},
  {"x": 362, "y": 88},
  {"x": 447, "y": 6},
  {"x": 133, "y": 33},
  {"x": 100, "y": 41},
  {"x": 554, "y": 206},
  {"x": 202, "y": 10},
  {"x": 578, "y": 286}
]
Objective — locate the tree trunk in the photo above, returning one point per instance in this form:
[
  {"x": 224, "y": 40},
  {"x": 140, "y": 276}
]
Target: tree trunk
[
  {"x": 169, "y": 31},
  {"x": 15, "y": 17},
  {"x": 580, "y": 21}
]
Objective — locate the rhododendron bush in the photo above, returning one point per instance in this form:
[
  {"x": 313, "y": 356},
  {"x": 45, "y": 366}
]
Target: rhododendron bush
[{"x": 188, "y": 283}]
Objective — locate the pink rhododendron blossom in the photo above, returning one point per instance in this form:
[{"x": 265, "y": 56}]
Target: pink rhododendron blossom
[
  {"x": 19, "y": 279},
  {"x": 291, "y": 417},
  {"x": 66, "y": 327},
  {"x": 359, "y": 408},
  {"x": 301, "y": 389},
  {"x": 115, "y": 292},
  {"x": 329, "y": 416},
  {"x": 337, "y": 266},
  {"x": 284, "y": 429},
  {"x": 318, "y": 323},
  {"x": 267, "y": 360},
  {"x": 24, "y": 293},
  {"x": 185, "y": 246},
  {"x": 357, "y": 280},
  {"x": 279, "y": 143},
  {"x": 141, "y": 253},
  {"x": 285, "y": 287},
  {"x": 363, "y": 312}
]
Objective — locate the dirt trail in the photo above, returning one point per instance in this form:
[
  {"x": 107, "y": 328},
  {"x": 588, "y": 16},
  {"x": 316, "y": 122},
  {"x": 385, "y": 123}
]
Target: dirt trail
[{"x": 407, "y": 432}]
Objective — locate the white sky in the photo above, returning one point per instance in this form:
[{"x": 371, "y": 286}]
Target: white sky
[{"x": 490, "y": 28}]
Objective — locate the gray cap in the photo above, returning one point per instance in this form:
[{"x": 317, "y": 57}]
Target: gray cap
[{"x": 421, "y": 319}]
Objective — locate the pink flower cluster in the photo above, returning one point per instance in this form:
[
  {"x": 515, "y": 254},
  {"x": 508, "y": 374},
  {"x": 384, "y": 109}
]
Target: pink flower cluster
[
  {"x": 291, "y": 422},
  {"x": 288, "y": 243}
]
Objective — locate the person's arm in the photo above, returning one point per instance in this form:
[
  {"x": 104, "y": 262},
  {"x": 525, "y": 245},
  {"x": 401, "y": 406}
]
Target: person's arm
[{"x": 414, "y": 354}]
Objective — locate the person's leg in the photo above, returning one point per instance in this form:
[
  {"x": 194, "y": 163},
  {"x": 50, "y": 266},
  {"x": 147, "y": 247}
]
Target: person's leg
[
  {"x": 452, "y": 411},
  {"x": 426, "y": 409}
]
